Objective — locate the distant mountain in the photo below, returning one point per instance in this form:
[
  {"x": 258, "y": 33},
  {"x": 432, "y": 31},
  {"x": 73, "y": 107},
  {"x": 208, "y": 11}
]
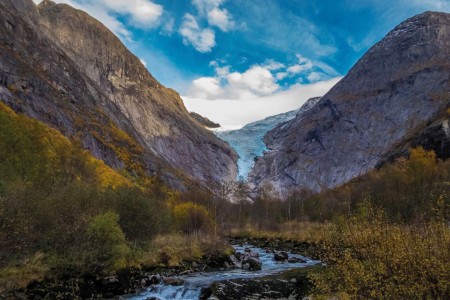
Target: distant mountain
[
  {"x": 396, "y": 96},
  {"x": 61, "y": 66},
  {"x": 248, "y": 141},
  {"x": 204, "y": 121}
]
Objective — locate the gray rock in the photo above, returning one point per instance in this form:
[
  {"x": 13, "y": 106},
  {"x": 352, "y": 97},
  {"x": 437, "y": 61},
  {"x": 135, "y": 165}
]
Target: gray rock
[
  {"x": 400, "y": 85},
  {"x": 66, "y": 69},
  {"x": 294, "y": 260},
  {"x": 204, "y": 120},
  {"x": 173, "y": 281},
  {"x": 280, "y": 256},
  {"x": 251, "y": 264}
]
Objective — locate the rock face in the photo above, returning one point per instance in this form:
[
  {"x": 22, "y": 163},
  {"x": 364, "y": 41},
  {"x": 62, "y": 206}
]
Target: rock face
[
  {"x": 63, "y": 67},
  {"x": 396, "y": 95},
  {"x": 204, "y": 121},
  {"x": 248, "y": 141}
]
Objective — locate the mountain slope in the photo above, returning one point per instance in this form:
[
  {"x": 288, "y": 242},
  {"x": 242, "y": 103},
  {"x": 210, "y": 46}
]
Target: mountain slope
[
  {"x": 397, "y": 90},
  {"x": 63, "y": 67},
  {"x": 248, "y": 141}
]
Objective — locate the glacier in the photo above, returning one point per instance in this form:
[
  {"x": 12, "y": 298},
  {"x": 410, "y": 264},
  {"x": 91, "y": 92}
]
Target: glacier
[{"x": 248, "y": 141}]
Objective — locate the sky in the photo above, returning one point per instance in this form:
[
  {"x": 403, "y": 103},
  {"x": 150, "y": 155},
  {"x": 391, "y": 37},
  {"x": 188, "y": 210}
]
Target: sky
[{"x": 238, "y": 61}]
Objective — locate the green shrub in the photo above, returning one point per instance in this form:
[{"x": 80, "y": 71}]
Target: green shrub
[{"x": 107, "y": 241}]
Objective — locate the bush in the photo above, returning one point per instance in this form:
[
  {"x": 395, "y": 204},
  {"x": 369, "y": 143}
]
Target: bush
[
  {"x": 370, "y": 258},
  {"x": 191, "y": 218},
  {"x": 107, "y": 242}
]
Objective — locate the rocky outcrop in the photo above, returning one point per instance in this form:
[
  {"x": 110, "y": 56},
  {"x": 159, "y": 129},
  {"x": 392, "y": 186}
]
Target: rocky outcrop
[
  {"x": 292, "y": 284},
  {"x": 204, "y": 121},
  {"x": 63, "y": 67},
  {"x": 393, "y": 95}
]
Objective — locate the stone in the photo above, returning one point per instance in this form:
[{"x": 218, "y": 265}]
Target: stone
[
  {"x": 280, "y": 256},
  {"x": 175, "y": 281},
  {"x": 294, "y": 260},
  {"x": 251, "y": 264}
]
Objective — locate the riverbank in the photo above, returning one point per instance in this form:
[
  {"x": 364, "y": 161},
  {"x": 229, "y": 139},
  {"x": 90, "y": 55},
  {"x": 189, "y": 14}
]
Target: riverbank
[
  {"x": 166, "y": 257},
  {"x": 71, "y": 284}
]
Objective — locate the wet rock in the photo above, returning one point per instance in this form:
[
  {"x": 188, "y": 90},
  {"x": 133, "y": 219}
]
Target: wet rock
[
  {"x": 281, "y": 286},
  {"x": 294, "y": 260},
  {"x": 280, "y": 256},
  {"x": 175, "y": 281},
  {"x": 154, "y": 279},
  {"x": 251, "y": 264}
]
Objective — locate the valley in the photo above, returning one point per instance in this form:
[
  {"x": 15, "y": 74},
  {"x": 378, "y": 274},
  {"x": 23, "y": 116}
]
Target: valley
[{"x": 111, "y": 189}]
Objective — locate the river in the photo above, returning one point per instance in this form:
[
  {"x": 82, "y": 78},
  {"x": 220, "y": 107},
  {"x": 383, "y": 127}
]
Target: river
[{"x": 194, "y": 283}]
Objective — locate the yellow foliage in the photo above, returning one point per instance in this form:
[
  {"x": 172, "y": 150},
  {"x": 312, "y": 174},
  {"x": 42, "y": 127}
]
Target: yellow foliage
[
  {"x": 190, "y": 217},
  {"x": 372, "y": 259}
]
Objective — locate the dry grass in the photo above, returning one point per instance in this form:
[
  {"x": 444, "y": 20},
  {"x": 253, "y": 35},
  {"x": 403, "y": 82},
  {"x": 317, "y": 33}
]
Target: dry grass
[
  {"x": 294, "y": 231},
  {"x": 173, "y": 249},
  {"x": 18, "y": 276}
]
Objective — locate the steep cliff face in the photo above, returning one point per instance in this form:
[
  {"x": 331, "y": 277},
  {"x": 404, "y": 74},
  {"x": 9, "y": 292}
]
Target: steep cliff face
[
  {"x": 65, "y": 68},
  {"x": 397, "y": 92}
]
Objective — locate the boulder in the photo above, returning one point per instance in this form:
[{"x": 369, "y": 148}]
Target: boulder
[
  {"x": 175, "y": 281},
  {"x": 251, "y": 264},
  {"x": 280, "y": 256}
]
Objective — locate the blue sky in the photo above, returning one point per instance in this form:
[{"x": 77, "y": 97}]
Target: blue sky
[{"x": 240, "y": 60}]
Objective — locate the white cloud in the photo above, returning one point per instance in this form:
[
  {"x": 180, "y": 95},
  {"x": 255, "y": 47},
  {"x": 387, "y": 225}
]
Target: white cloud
[
  {"x": 303, "y": 65},
  {"x": 137, "y": 13},
  {"x": 255, "y": 82},
  {"x": 143, "y": 62},
  {"x": 216, "y": 16},
  {"x": 281, "y": 75},
  {"x": 316, "y": 76},
  {"x": 231, "y": 113},
  {"x": 205, "y": 87},
  {"x": 202, "y": 39},
  {"x": 272, "y": 65}
]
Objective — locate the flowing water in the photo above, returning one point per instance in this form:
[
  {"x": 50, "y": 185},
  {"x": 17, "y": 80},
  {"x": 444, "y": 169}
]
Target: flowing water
[{"x": 193, "y": 283}]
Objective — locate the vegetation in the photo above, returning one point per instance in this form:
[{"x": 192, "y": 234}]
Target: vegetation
[
  {"x": 372, "y": 258},
  {"x": 60, "y": 207},
  {"x": 386, "y": 234}
]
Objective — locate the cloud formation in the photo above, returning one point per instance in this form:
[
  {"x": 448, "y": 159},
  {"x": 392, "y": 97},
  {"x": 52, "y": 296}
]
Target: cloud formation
[
  {"x": 203, "y": 38},
  {"x": 215, "y": 15},
  {"x": 234, "y": 114},
  {"x": 258, "y": 80}
]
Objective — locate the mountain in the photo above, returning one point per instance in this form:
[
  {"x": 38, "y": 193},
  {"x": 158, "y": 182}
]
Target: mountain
[
  {"x": 63, "y": 67},
  {"x": 248, "y": 140},
  {"x": 204, "y": 121},
  {"x": 396, "y": 96}
]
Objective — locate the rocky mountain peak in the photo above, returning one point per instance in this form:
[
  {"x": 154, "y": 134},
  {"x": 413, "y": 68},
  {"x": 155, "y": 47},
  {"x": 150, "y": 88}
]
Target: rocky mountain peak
[
  {"x": 65, "y": 68},
  {"x": 398, "y": 87}
]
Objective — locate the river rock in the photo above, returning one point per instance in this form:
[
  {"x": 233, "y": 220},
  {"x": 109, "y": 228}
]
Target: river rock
[
  {"x": 154, "y": 279},
  {"x": 280, "y": 256},
  {"x": 251, "y": 264},
  {"x": 173, "y": 281},
  {"x": 294, "y": 260}
]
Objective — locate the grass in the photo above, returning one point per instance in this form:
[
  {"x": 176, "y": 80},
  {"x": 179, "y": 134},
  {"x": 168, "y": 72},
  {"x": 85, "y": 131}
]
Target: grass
[
  {"x": 20, "y": 274},
  {"x": 289, "y": 231},
  {"x": 172, "y": 250}
]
